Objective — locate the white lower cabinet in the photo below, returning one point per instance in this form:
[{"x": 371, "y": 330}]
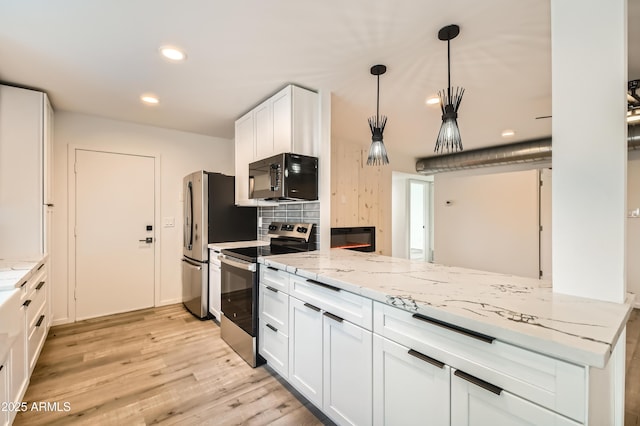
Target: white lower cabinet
[
  {"x": 305, "y": 350},
  {"x": 408, "y": 387},
  {"x": 346, "y": 363},
  {"x": 479, "y": 404},
  {"x": 215, "y": 277},
  {"x": 4, "y": 389}
]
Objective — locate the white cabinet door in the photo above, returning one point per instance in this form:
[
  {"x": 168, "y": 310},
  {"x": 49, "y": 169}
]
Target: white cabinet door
[
  {"x": 214, "y": 289},
  {"x": 21, "y": 178},
  {"x": 4, "y": 389},
  {"x": 347, "y": 367},
  {"x": 264, "y": 130},
  {"x": 282, "y": 116},
  {"x": 18, "y": 378},
  {"x": 245, "y": 154},
  {"x": 408, "y": 387},
  {"x": 473, "y": 404},
  {"x": 305, "y": 349}
]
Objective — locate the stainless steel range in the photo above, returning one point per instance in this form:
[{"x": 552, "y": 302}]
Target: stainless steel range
[{"x": 239, "y": 293}]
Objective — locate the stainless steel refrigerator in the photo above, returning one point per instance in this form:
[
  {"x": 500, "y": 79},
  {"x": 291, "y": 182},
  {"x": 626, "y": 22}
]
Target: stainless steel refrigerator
[{"x": 210, "y": 216}]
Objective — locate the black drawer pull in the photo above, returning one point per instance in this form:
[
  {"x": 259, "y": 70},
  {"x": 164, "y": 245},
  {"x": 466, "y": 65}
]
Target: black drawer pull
[
  {"x": 272, "y": 268},
  {"x": 425, "y": 358},
  {"x": 333, "y": 317},
  {"x": 23, "y": 284},
  {"x": 275, "y": 290},
  {"x": 272, "y": 327},
  {"x": 40, "y": 285},
  {"x": 1, "y": 367},
  {"x": 469, "y": 333},
  {"x": 40, "y": 321},
  {"x": 40, "y": 267},
  {"x": 330, "y": 287},
  {"x": 26, "y": 303},
  {"x": 315, "y": 308},
  {"x": 478, "y": 382}
]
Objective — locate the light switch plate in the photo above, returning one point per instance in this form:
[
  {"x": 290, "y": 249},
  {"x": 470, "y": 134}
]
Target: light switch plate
[{"x": 169, "y": 222}]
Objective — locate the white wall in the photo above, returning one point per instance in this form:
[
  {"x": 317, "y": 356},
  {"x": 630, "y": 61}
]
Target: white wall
[
  {"x": 491, "y": 222},
  {"x": 179, "y": 152}
]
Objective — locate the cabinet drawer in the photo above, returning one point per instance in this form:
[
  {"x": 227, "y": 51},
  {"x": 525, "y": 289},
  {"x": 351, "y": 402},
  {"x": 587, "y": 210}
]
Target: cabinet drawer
[
  {"x": 37, "y": 298},
  {"x": 349, "y": 306},
  {"x": 549, "y": 382},
  {"x": 37, "y": 333},
  {"x": 274, "y": 347},
  {"x": 275, "y": 278},
  {"x": 274, "y": 307}
]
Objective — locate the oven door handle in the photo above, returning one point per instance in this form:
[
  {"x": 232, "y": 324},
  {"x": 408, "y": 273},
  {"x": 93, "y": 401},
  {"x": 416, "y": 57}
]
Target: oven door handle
[{"x": 247, "y": 266}]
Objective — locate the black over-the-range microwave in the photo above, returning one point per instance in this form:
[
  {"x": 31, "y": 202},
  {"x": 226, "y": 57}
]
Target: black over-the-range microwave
[{"x": 284, "y": 177}]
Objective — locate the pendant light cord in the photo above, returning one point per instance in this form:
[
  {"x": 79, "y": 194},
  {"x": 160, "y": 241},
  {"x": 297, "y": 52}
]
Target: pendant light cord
[
  {"x": 378, "y": 102},
  {"x": 449, "y": 68}
]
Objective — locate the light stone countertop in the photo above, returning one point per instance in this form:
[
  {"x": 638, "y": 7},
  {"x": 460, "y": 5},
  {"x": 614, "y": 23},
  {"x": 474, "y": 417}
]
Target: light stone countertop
[
  {"x": 237, "y": 244},
  {"x": 14, "y": 271},
  {"x": 517, "y": 310}
]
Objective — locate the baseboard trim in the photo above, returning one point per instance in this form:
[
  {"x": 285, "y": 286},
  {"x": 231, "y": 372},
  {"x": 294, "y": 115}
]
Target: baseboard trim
[{"x": 170, "y": 302}]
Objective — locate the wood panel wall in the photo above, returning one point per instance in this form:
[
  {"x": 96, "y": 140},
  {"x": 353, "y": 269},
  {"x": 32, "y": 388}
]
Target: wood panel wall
[{"x": 360, "y": 194}]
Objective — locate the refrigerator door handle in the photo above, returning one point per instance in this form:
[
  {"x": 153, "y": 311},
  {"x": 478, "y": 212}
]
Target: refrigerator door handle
[
  {"x": 189, "y": 217},
  {"x": 198, "y": 266}
]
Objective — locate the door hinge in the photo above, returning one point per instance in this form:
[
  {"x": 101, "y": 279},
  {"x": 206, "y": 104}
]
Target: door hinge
[
  {"x": 539, "y": 274},
  {"x": 540, "y": 228},
  {"x": 541, "y": 183}
]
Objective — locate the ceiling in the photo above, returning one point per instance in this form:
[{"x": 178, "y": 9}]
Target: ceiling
[{"x": 98, "y": 57}]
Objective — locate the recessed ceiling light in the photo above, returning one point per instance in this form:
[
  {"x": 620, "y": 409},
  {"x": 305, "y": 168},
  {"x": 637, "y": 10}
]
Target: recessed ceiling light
[
  {"x": 508, "y": 133},
  {"x": 173, "y": 53},
  {"x": 149, "y": 99},
  {"x": 432, "y": 100}
]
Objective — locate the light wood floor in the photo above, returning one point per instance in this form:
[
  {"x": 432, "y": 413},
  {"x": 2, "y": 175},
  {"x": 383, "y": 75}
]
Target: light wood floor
[
  {"x": 155, "y": 366},
  {"x": 632, "y": 390},
  {"x": 163, "y": 366}
]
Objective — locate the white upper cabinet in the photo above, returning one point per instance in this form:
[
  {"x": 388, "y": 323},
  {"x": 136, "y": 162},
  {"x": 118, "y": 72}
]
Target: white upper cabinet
[
  {"x": 26, "y": 120},
  {"x": 245, "y": 154},
  {"x": 286, "y": 122}
]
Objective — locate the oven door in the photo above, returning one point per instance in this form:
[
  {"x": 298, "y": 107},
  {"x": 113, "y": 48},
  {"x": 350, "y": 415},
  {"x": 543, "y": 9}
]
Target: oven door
[{"x": 238, "y": 294}]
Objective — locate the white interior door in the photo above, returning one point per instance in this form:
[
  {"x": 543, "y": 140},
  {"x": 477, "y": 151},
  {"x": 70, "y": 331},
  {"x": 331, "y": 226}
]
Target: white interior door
[
  {"x": 114, "y": 202},
  {"x": 419, "y": 238}
]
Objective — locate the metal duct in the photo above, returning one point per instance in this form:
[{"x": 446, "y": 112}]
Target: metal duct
[{"x": 517, "y": 153}]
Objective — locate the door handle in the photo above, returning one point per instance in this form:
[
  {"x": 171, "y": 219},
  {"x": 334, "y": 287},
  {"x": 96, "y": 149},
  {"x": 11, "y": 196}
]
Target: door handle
[{"x": 147, "y": 240}]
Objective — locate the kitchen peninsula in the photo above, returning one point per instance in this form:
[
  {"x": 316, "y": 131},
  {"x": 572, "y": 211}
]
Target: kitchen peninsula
[{"x": 437, "y": 341}]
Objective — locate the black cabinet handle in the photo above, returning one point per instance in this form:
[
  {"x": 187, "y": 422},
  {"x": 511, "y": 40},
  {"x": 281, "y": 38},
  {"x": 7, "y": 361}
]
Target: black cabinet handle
[
  {"x": 23, "y": 284},
  {"x": 330, "y": 287},
  {"x": 272, "y": 327},
  {"x": 49, "y": 205},
  {"x": 478, "y": 382},
  {"x": 466, "y": 332},
  {"x": 315, "y": 308},
  {"x": 425, "y": 358},
  {"x": 333, "y": 317},
  {"x": 40, "y": 321},
  {"x": 40, "y": 267},
  {"x": 1, "y": 367},
  {"x": 40, "y": 285},
  {"x": 272, "y": 268},
  {"x": 26, "y": 303},
  {"x": 275, "y": 290}
]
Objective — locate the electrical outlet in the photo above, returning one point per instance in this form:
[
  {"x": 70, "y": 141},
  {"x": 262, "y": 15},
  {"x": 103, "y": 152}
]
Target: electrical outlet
[{"x": 169, "y": 222}]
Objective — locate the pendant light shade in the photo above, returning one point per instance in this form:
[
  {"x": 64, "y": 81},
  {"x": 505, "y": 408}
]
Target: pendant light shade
[
  {"x": 449, "y": 139},
  {"x": 377, "y": 151}
]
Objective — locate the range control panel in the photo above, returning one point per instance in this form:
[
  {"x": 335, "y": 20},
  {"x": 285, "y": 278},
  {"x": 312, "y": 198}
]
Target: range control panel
[{"x": 294, "y": 230}]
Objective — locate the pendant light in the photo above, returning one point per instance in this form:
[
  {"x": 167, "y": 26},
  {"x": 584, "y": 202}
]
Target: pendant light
[
  {"x": 449, "y": 135},
  {"x": 377, "y": 151}
]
